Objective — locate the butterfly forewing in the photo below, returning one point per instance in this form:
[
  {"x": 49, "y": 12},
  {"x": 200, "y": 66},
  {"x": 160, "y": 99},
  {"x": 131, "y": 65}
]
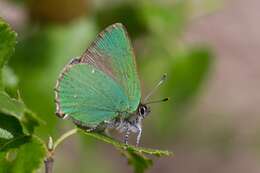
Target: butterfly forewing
[{"x": 112, "y": 53}]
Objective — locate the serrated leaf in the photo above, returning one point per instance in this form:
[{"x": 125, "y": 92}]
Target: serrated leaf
[
  {"x": 11, "y": 106},
  {"x": 13, "y": 126},
  {"x": 123, "y": 146},
  {"x": 8, "y": 41},
  {"x": 134, "y": 155},
  {"x": 16, "y": 108},
  {"x": 7, "y": 45},
  {"x": 30, "y": 121},
  {"x": 25, "y": 159}
]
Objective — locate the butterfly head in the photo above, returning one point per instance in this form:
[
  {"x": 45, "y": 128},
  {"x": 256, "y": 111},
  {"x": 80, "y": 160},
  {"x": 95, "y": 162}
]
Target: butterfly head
[{"x": 143, "y": 110}]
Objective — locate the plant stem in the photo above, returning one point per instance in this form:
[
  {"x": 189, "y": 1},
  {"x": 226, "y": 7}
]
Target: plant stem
[
  {"x": 48, "y": 162},
  {"x": 51, "y": 148},
  {"x": 64, "y": 136}
]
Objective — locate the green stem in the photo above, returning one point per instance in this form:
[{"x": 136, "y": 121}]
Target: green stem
[{"x": 64, "y": 136}]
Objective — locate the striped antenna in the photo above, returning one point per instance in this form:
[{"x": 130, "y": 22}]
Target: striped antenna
[{"x": 163, "y": 78}]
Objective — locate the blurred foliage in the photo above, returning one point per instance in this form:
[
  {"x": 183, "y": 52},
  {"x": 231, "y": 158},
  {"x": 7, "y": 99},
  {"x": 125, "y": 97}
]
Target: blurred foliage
[
  {"x": 27, "y": 158},
  {"x": 127, "y": 13},
  {"x": 188, "y": 70},
  {"x": 60, "y": 30},
  {"x": 20, "y": 151}
]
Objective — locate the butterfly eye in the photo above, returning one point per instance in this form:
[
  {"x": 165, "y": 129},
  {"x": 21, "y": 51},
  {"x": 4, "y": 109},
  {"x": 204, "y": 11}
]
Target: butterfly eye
[{"x": 142, "y": 110}]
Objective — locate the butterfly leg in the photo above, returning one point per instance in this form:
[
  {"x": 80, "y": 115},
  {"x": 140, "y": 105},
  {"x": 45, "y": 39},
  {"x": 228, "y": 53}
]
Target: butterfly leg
[
  {"x": 136, "y": 128},
  {"x": 139, "y": 131},
  {"x": 127, "y": 133}
]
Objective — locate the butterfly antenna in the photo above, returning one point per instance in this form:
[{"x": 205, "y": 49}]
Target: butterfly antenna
[
  {"x": 163, "y": 78},
  {"x": 157, "y": 101}
]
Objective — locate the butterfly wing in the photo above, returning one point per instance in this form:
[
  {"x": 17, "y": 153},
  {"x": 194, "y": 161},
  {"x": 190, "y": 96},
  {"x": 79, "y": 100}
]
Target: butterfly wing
[
  {"x": 102, "y": 83},
  {"x": 88, "y": 95},
  {"x": 112, "y": 53}
]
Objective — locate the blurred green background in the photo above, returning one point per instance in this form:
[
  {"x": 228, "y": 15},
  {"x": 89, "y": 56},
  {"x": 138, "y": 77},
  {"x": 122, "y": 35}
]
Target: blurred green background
[{"x": 208, "y": 49}]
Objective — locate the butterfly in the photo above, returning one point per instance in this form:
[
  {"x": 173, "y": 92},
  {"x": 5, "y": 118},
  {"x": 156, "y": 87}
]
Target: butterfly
[{"x": 101, "y": 89}]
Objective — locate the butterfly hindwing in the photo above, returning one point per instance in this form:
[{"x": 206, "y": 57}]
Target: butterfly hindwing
[{"x": 90, "y": 96}]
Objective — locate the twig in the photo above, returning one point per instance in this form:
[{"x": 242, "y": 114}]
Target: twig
[
  {"x": 48, "y": 162},
  {"x": 64, "y": 136}
]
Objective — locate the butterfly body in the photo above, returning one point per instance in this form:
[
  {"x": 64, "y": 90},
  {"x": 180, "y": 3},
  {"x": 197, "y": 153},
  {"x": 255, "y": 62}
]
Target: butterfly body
[{"x": 101, "y": 89}]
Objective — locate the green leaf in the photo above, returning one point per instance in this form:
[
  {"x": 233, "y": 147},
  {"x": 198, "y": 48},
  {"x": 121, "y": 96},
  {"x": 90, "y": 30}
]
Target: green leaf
[
  {"x": 8, "y": 41},
  {"x": 16, "y": 108},
  {"x": 123, "y": 146},
  {"x": 11, "y": 106},
  {"x": 137, "y": 160},
  {"x": 25, "y": 159},
  {"x": 10, "y": 80},
  {"x": 14, "y": 143},
  {"x": 19, "y": 127},
  {"x": 13, "y": 126},
  {"x": 30, "y": 121},
  {"x": 7, "y": 45},
  {"x": 134, "y": 155}
]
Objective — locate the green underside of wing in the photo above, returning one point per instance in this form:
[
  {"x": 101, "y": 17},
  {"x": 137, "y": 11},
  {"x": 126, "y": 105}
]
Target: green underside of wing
[
  {"x": 113, "y": 49},
  {"x": 116, "y": 45},
  {"x": 90, "y": 96}
]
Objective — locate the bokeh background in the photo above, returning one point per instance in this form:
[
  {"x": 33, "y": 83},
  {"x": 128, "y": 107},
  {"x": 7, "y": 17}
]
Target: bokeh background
[{"x": 208, "y": 48}]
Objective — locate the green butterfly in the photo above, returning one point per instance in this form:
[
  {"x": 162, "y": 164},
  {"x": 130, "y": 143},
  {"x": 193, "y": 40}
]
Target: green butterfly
[{"x": 101, "y": 89}]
